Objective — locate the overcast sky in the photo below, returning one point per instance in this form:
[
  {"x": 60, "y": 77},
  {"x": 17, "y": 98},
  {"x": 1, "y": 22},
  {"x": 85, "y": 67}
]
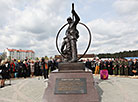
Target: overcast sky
[{"x": 33, "y": 24}]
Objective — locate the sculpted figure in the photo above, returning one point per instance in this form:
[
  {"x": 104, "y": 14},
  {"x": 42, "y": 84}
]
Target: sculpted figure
[{"x": 69, "y": 45}]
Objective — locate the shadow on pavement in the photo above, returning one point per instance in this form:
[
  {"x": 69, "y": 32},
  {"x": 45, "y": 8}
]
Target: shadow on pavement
[{"x": 99, "y": 90}]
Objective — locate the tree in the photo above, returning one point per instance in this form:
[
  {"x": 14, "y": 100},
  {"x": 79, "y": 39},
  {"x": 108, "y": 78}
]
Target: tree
[
  {"x": 119, "y": 54},
  {"x": 3, "y": 56},
  {"x": 37, "y": 58}
]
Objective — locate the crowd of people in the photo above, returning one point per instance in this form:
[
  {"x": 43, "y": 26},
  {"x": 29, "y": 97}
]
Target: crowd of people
[
  {"x": 114, "y": 67},
  {"x": 29, "y": 68},
  {"x": 26, "y": 68}
]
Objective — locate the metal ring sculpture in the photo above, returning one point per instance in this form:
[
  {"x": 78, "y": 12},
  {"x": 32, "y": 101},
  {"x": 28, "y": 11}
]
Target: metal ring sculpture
[{"x": 88, "y": 43}]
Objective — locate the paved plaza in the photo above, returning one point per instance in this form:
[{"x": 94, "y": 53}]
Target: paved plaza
[
  {"x": 116, "y": 89},
  {"x": 24, "y": 90}
]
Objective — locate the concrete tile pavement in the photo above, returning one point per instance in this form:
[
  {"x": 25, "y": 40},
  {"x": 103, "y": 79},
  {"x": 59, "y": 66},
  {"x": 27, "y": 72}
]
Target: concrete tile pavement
[
  {"x": 23, "y": 90},
  {"x": 116, "y": 89}
]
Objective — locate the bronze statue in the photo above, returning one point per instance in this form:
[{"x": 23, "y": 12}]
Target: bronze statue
[{"x": 69, "y": 46}]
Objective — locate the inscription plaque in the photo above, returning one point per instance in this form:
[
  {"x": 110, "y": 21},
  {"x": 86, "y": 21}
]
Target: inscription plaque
[{"x": 70, "y": 86}]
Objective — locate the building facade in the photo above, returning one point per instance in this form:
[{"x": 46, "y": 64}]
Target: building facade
[{"x": 19, "y": 54}]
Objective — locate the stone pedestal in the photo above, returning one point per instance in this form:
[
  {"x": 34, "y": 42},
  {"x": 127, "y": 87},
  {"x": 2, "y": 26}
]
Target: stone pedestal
[
  {"x": 71, "y": 66},
  {"x": 62, "y": 87}
]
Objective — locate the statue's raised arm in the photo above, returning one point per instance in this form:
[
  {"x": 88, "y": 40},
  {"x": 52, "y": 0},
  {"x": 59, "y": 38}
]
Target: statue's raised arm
[{"x": 77, "y": 18}]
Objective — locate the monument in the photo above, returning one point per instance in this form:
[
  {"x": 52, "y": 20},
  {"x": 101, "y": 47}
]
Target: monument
[
  {"x": 69, "y": 46},
  {"x": 71, "y": 83}
]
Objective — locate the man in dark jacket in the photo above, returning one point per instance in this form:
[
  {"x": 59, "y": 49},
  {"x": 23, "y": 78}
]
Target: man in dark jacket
[
  {"x": 19, "y": 69},
  {"x": 93, "y": 65},
  {"x": 45, "y": 68},
  {"x": 130, "y": 65},
  {"x": 88, "y": 64},
  {"x": 37, "y": 68},
  {"x": 135, "y": 67}
]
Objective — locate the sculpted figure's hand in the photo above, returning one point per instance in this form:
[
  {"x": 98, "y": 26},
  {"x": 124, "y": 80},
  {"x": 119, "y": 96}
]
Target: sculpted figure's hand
[{"x": 73, "y": 12}]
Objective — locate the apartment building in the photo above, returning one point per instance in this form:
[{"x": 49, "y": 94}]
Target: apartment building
[{"x": 20, "y": 54}]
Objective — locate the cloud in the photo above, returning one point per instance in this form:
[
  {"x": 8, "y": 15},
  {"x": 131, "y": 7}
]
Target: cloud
[
  {"x": 126, "y": 7},
  {"x": 27, "y": 24},
  {"x": 112, "y": 36},
  {"x": 127, "y": 10},
  {"x": 34, "y": 24},
  {"x": 118, "y": 33}
]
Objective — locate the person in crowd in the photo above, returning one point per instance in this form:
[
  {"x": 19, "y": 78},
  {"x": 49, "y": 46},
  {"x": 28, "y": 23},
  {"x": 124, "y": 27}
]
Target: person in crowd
[
  {"x": 115, "y": 67},
  {"x": 93, "y": 65},
  {"x": 8, "y": 71},
  {"x": 51, "y": 65},
  {"x": 97, "y": 66},
  {"x": 130, "y": 65},
  {"x": 126, "y": 68},
  {"x": 104, "y": 66},
  {"x": 45, "y": 68},
  {"x": 25, "y": 69},
  {"x": 55, "y": 64},
  {"x": 41, "y": 70},
  {"x": 12, "y": 68},
  {"x": 88, "y": 64},
  {"x": 105, "y": 62},
  {"x": 28, "y": 62},
  {"x": 110, "y": 67},
  {"x": 5, "y": 73},
  {"x": 57, "y": 61},
  {"x": 135, "y": 67},
  {"x": 32, "y": 68},
  {"x": 20, "y": 69},
  {"x": 37, "y": 68},
  {"x": 101, "y": 64},
  {"x": 104, "y": 70},
  {"x": 16, "y": 65},
  {"x": 121, "y": 67}
]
